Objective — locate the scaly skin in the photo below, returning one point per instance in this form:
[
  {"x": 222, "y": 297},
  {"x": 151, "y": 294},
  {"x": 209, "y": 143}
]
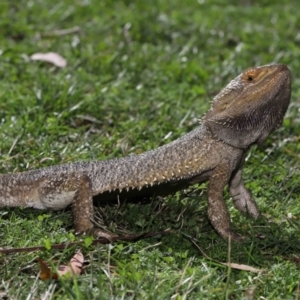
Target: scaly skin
[{"x": 244, "y": 113}]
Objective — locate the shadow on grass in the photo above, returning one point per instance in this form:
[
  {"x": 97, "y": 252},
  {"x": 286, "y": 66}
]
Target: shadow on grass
[{"x": 266, "y": 243}]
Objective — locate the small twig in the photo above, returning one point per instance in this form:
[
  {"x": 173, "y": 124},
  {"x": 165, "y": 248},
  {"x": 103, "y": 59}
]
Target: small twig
[
  {"x": 151, "y": 246},
  {"x": 61, "y": 32},
  {"x": 126, "y": 238},
  {"x": 228, "y": 264},
  {"x": 127, "y": 34},
  {"x": 229, "y": 269},
  {"x": 182, "y": 276},
  {"x": 13, "y": 145},
  {"x": 192, "y": 240},
  {"x": 291, "y": 153},
  {"x": 108, "y": 270}
]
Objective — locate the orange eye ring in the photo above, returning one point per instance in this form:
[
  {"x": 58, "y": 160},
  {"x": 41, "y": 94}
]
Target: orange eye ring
[{"x": 250, "y": 78}]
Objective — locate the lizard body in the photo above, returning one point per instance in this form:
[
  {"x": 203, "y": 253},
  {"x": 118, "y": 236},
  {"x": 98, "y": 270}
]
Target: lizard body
[{"x": 242, "y": 114}]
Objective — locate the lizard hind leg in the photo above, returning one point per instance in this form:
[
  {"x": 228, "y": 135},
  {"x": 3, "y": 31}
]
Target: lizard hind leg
[
  {"x": 83, "y": 210},
  {"x": 74, "y": 189},
  {"x": 82, "y": 206}
]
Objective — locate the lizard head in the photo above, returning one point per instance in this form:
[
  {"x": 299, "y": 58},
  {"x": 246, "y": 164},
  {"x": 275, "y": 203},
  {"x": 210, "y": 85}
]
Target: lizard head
[{"x": 251, "y": 106}]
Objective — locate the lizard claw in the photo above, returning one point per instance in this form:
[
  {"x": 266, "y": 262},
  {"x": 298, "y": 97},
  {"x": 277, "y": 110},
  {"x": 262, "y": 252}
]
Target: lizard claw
[
  {"x": 97, "y": 233},
  {"x": 101, "y": 234},
  {"x": 236, "y": 237}
]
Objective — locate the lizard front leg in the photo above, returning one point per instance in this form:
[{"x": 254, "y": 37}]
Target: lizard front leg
[
  {"x": 242, "y": 198},
  {"x": 217, "y": 210},
  {"x": 74, "y": 189}
]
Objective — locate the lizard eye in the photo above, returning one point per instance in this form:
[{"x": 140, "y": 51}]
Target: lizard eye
[{"x": 249, "y": 76}]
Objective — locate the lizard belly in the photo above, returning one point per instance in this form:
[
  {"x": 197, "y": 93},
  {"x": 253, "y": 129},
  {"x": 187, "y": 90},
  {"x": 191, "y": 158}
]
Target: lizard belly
[
  {"x": 57, "y": 200},
  {"x": 54, "y": 201}
]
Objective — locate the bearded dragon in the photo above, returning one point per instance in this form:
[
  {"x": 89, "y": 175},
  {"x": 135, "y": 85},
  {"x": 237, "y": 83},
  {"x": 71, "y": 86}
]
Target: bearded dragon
[{"x": 244, "y": 113}]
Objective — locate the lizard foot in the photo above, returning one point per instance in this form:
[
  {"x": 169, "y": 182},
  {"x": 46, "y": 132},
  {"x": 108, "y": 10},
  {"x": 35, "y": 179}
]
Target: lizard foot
[
  {"x": 98, "y": 233},
  {"x": 236, "y": 237},
  {"x": 230, "y": 234}
]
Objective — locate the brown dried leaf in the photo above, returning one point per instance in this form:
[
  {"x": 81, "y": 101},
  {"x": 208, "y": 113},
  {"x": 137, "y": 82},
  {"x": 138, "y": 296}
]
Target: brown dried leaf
[
  {"x": 75, "y": 266},
  {"x": 50, "y": 57},
  {"x": 45, "y": 272}
]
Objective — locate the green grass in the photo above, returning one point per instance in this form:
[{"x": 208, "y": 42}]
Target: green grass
[{"x": 140, "y": 74}]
